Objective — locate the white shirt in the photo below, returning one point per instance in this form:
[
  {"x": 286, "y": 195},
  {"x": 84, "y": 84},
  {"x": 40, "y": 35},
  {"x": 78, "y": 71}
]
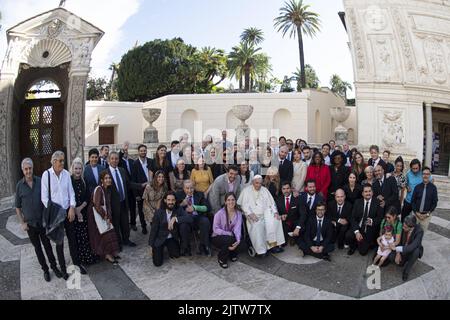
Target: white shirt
[
  {"x": 113, "y": 171},
  {"x": 169, "y": 217},
  {"x": 339, "y": 207},
  {"x": 321, "y": 221},
  {"x": 95, "y": 173},
  {"x": 368, "y": 211},
  {"x": 312, "y": 197},
  {"x": 308, "y": 162},
  {"x": 327, "y": 160},
  {"x": 61, "y": 189},
  {"x": 376, "y": 162},
  {"x": 145, "y": 168}
]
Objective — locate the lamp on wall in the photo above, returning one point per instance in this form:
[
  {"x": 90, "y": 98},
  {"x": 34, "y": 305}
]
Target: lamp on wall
[{"x": 97, "y": 123}]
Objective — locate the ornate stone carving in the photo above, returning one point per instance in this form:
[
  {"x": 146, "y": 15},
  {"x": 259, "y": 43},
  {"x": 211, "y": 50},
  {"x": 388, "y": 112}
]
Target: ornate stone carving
[
  {"x": 392, "y": 128},
  {"x": 405, "y": 43},
  {"x": 82, "y": 50},
  {"x": 436, "y": 60},
  {"x": 4, "y": 170},
  {"x": 340, "y": 114},
  {"x": 48, "y": 53},
  {"x": 384, "y": 59},
  {"x": 54, "y": 29},
  {"x": 151, "y": 134},
  {"x": 76, "y": 124},
  {"x": 358, "y": 44},
  {"x": 243, "y": 113},
  {"x": 375, "y": 18}
]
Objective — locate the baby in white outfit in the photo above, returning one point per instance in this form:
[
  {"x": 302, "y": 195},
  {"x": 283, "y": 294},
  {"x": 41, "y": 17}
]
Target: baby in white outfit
[{"x": 384, "y": 243}]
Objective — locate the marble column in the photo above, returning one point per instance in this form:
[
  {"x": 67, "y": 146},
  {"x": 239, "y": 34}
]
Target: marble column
[{"x": 429, "y": 134}]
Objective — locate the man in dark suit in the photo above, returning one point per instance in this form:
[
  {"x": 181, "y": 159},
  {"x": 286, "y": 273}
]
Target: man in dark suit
[
  {"x": 104, "y": 155},
  {"x": 127, "y": 163},
  {"x": 92, "y": 171},
  {"x": 140, "y": 174},
  {"x": 365, "y": 223},
  {"x": 340, "y": 213},
  {"x": 174, "y": 154},
  {"x": 318, "y": 239},
  {"x": 375, "y": 158},
  {"x": 285, "y": 167},
  {"x": 386, "y": 189},
  {"x": 119, "y": 200},
  {"x": 292, "y": 214},
  {"x": 424, "y": 199},
  {"x": 165, "y": 229},
  {"x": 310, "y": 199},
  {"x": 410, "y": 248},
  {"x": 196, "y": 206}
]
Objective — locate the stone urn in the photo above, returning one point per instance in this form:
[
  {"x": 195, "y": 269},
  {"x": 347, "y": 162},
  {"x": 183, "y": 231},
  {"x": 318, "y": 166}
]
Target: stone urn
[
  {"x": 340, "y": 114},
  {"x": 243, "y": 113},
  {"x": 151, "y": 134}
]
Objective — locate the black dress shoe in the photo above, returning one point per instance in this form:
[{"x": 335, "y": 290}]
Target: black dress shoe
[
  {"x": 133, "y": 227},
  {"x": 65, "y": 275},
  {"x": 405, "y": 276},
  {"x": 144, "y": 230},
  {"x": 186, "y": 252},
  {"x": 207, "y": 251},
  {"x": 129, "y": 243},
  {"x": 117, "y": 258},
  {"x": 326, "y": 257},
  {"x": 57, "y": 272},
  {"x": 82, "y": 269},
  {"x": 47, "y": 276},
  {"x": 351, "y": 252}
]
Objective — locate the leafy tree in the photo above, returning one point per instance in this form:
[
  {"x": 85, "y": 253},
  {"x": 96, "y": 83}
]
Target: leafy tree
[
  {"x": 242, "y": 62},
  {"x": 312, "y": 80},
  {"x": 339, "y": 86},
  {"x": 286, "y": 85},
  {"x": 97, "y": 89},
  {"x": 163, "y": 67},
  {"x": 296, "y": 18}
]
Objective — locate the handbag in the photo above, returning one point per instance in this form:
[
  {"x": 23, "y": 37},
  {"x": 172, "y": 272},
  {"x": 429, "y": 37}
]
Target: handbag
[
  {"x": 102, "y": 225},
  {"x": 53, "y": 218}
]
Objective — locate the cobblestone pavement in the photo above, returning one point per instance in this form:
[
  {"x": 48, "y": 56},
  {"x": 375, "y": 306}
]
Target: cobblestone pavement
[{"x": 283, "y": 276}]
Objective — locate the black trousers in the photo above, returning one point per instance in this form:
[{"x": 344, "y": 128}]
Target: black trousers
[
  {"x": 408, "y": 260},
  {"x": 368, "y": 242},
  {"x": 339, "y": 234},
  {"x": 73, "y": 244},
  {"x": 307, "y": 250},
  {"x": 140, "y": 204},
  {"x": 158, "y": 252},
  {"x": 407, "y": 209},
  {"x": 121, "y": 223},
  {"x": 223, "y": 243},
  {"x": 132, "y": 206},
  {"x": 200, "y": 223},
  {"x": 288, "y": 226},
  {"x": 37, "y": 237}
]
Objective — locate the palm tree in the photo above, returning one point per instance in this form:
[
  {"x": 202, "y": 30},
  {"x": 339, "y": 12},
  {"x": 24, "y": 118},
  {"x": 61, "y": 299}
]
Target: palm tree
[
  {"x": 339, "y": 86},
  {"x": 296, "y": 18},
  {"x": 242, "y": 62},
  {"x": 312, "y": 80},
  {"x": 252, "y": 36},
  {"x": 114, "y": 67}
]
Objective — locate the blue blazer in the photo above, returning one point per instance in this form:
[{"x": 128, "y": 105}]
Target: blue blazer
[
  {"x": 303, "y": 199},
  {"x": 89, "y": 177}
]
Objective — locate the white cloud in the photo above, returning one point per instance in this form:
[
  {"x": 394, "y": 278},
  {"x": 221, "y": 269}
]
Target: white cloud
[{"x": 108, "y": 15}]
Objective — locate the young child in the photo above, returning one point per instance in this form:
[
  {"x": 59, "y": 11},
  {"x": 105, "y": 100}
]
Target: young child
[{"x": 384, "y": 241}]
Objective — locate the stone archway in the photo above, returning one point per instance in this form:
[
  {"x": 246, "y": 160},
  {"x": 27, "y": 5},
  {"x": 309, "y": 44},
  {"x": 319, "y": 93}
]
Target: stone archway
[{"x": 55, "y": 45}]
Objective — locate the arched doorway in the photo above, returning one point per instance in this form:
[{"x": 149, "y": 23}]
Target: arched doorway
[
  {"x": 282, "y": 121},
  {"x": 41, "y": 124},
  {"x": 188, "y": 119}
]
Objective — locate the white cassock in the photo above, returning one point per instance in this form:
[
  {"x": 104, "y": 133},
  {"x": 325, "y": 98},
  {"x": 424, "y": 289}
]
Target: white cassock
[{"x": 267, "y": 232}]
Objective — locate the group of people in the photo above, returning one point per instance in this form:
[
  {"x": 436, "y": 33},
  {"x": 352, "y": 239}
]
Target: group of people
[{"x": 258, "y": 196}]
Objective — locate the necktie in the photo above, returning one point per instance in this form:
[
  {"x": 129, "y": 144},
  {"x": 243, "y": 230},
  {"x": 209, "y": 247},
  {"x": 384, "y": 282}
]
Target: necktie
[
  {"x": 309, "y": 202},
  {"x": 339, "y": 211},
  {"x": 190, "y": 201},
  {"x": 288, "y": 205},
  {"x": 281, "y": 163},
  {"x": 381, "y": 184},
  {"x": 319, "y": 232},
  {"x": 366, "y": 213},
  {"x": 119, "y": 186},
  {"x": 422, "y": 202}
]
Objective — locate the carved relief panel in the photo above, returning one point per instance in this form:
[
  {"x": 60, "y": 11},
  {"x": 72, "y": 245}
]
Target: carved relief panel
[
  {"x": 392, "y": 127},
  {"x": 384, "y": 58}
]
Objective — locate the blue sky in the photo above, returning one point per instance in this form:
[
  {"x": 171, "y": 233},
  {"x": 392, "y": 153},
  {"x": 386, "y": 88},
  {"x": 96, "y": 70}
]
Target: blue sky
[{"x": 200, "y": 23}]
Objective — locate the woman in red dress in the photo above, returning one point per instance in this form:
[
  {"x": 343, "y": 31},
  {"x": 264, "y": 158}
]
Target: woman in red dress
[{"x": 319, "y": 172}]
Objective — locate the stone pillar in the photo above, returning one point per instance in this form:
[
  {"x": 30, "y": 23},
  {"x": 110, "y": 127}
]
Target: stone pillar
[
  {"x": 75, "y": 115},
  {"x": 429, "y": 134}
]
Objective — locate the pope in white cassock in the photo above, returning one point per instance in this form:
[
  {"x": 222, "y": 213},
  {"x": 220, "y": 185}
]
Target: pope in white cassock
[{"x": 263, "y": 222}]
